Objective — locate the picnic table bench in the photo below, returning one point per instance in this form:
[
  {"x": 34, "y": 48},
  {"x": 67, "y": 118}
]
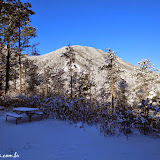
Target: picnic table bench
[
  {"x": 14, "y": 115},
  {"x": 28, "y": 111},
  {"x": 39, "y": 113}
]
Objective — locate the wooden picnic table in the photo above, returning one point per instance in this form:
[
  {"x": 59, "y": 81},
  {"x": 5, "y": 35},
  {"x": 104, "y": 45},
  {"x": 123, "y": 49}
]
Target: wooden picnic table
[{"x": 29, "y": 111}]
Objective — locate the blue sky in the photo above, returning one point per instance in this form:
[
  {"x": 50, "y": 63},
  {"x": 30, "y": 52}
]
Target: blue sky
[{"x": 130, "y": 27}]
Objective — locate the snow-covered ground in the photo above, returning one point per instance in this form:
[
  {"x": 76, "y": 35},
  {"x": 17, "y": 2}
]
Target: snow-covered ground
[{"x": 51, "y": 139}]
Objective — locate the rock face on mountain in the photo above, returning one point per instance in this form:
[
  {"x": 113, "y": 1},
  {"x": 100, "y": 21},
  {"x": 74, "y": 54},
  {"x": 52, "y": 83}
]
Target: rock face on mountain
[{"x": 93, "y": 58}]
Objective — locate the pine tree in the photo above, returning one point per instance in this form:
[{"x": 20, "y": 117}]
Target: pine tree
[
  {"x": 70, "y": 57},
  {"x": 144, "y": 73},
  {"x": 7, "y": 33},
  {"x": 32, "y": 77},
  {"x": 58, "y": 80},
  {"x": 15, "y": 31},
  {"x": 34, "y": 51},
  {"x": 47, "y": 75},
  {"x": 24, "y": 30},
  {"x": 112, "y": 69},
  {"x": 14, "y": 69},
  {"x": 85, "y": 82},
  {"x": 83, "y": 85},
  {"x": 122, "y": 94},
  {"x": 91, "y": 78}
]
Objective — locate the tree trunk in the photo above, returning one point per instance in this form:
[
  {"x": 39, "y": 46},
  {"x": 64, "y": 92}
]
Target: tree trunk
[
  {"x": 112, "y": 91},
  {"x": 46, "y": 90},
  {"x": 20, "y": 78},
  {"x": 15, "y": 77},
  {"x": 1, "y": 84},
  {"x": 112, "y": 99},
  {"x": 91, "y": 96},
  {"x": 0, "y": 89},
  {"x": 145, "y": 89},
  {"x": 71, "y": 84},
  {"x": 7, "y": 67}
]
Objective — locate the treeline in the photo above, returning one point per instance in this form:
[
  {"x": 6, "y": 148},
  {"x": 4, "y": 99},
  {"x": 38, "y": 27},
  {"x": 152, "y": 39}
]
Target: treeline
[{"x": 16, "y": 31}]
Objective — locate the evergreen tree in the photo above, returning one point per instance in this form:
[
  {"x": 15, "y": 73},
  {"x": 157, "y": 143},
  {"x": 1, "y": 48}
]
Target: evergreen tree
[
  {"x": 83, "y": 85},
  {"x": 47, "y": 75},
  {"x": 14, "y": 70},
  {"x": 70, "y": 57},
  {"x": 34, "y": 51},
  {"x": 112, "y": 69},
  {"x": 85, "y": 82},
  {"x": 91, "y": 78},
  {"x": 58, "y": 80},
  {"x": 32, "y": 77},
  {"x": 15, "y": 31},
  {"x": 24, "y": 30},
  {"x": 122, "y": 94},
  {"x": 144, "y": 73},
  {"x": 7, "y": 33}
]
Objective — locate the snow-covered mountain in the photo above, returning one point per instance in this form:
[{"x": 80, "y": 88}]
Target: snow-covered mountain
[{"x": 93, "y": 58}]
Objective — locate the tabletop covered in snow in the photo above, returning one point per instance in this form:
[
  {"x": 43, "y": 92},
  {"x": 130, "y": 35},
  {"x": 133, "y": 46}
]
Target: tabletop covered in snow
[{"x": 25, "y": 109}]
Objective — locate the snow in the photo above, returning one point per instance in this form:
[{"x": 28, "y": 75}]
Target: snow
[
  {"x": 25, "y": 109},
  {"x": 51, "y": 139},
  {"x": 14, "y": 115}
]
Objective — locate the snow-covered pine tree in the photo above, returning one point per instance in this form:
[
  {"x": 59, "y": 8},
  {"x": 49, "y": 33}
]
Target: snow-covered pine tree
[
  {"x": 121, "y": 94},
  {"x": 14, "y": 70},
  {"x": 82, "y": 85},
  {"x": 144, "y": 74},
  {"x": 7, "y": 33},
  {"x": 32, "y": 77},
  {"x": 15, "y": 31},
  {"x": 86, "y": 82},
  {"x": 91, "y": 80},
  {"x": 58, "y": 81},
  {"x": 24, "y": 30},
  {"x": 47, "y": 75},
  {"x": 70, "y": 58},
  {"x": 25, "y": 62},
  {"x": 113, "y": 73}
]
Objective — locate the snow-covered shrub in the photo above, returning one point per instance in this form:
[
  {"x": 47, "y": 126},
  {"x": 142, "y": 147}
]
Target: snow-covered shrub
[
  {"x": 120, "y": 121},
  {"x": 123, "y": 120},
  {"x": 108, "y": 124},
  {"x": 143, "y": 125},
  {"x": 125, "y": 117},
  {"x": 7, "y": 101},
  {"x": 147, "y": 120}
]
